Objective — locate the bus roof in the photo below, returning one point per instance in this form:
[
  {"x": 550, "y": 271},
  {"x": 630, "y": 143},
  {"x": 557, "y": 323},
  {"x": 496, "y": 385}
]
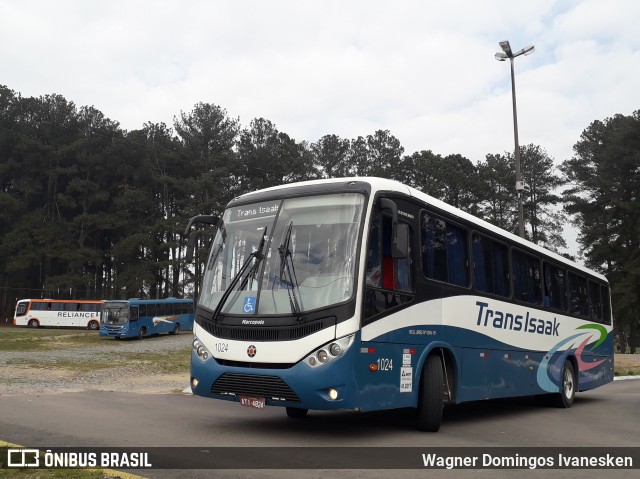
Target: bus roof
[
  {"x": 383, "y": 184},
  {"x": 45, "y": 300},
  {"x": 149, "y": 301}
]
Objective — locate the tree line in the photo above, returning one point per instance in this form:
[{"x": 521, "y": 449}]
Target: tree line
[{"x": 89, "y": 210}]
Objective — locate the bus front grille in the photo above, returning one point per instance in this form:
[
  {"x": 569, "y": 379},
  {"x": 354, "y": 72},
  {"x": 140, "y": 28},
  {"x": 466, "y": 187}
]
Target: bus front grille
[{"x": 269, "y": 387}]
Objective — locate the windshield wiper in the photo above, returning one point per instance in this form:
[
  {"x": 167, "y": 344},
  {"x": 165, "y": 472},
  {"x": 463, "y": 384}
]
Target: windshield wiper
[
  {"x": 258, "y": 255},
  {"x": 288, "y": 267}
]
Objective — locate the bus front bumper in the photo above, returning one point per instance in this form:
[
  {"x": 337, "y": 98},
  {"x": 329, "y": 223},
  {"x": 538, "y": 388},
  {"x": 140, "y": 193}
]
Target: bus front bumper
[{"x": 330, "y": 386}]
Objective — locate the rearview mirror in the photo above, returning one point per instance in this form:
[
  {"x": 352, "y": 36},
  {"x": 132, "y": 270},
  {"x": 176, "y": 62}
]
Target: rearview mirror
[{"x": 191, "y": 242}]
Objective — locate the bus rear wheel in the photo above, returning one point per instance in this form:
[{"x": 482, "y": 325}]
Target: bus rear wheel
[
  {"x": 142, "y": 332},
  {"x": 296, "y": 412},
  {"x": 34, "y": 323},
  {"x": 176, "y": 329},
  {"x": 431, "y": 395},
  {"x": 93, "y": 325},
  {"x": 568, "y": 387}
]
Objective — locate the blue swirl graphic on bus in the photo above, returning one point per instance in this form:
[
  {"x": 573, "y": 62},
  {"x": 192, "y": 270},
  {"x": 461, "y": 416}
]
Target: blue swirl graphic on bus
[{"x": 544, "y": 375}]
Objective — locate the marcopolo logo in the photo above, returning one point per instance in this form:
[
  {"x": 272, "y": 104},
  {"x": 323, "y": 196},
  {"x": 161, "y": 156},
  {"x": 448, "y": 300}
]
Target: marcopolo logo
[{"x": 251, "y": 351}]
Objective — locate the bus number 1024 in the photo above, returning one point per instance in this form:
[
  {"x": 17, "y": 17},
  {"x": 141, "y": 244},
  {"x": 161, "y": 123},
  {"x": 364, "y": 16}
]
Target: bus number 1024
[{"x": 385, "y": 364}]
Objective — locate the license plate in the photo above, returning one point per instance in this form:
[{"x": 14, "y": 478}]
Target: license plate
[{"x": 254, "y": 402}]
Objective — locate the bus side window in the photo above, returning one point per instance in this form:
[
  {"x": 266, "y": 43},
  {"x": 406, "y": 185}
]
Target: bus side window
[
  {"x": 555, "y": 290},
  {"x": 595, "y": 302},
  {"x": 40, "y": 306},
  {"x": 383, "y": 270},
  {"x": 578, "y": 303},
  {"x": 396, "y": 272},
  {"x": 606, "y": 304},
  {"x": 526, "y": 277},
  {"x": 388, "y": 279},
  {"x": 444, "y": 251}
]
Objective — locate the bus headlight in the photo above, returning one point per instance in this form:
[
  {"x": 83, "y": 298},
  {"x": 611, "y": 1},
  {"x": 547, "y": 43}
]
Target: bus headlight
[
  {"x": 323, "y": 357},
  {"x": 329, "y": 351},
  {"x": 200, "y": 349}
]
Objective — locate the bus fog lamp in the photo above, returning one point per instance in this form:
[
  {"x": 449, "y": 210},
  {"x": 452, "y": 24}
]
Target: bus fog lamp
[
  {"x": 312, "y": 361},
  {"x": 194, "y": 383},
  {"x": 333, "y": 394}
]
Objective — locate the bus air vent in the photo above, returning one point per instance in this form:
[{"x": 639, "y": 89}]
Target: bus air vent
[{"x": 269, "y": 387}]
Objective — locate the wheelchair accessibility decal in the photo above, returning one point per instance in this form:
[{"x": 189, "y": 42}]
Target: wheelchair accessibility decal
[{"x": 249, "y": 304}]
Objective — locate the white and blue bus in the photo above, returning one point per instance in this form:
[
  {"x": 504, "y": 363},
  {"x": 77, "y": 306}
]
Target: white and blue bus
[
  {"x": 365, "y": 294},
  {"x": 137, "y": 318}
]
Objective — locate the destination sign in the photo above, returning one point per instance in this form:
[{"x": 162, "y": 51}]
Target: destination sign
[{"x": 258, "y": 210}]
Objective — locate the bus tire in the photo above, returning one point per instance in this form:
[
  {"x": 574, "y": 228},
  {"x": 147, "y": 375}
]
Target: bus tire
[
  {"x": 142, "y": 332},
  {"x": 176, "y": 329},
  {"x": 93, "y": 325},
  {"x": 431, "y": 395},
  {"x": 568, "y": 387},
  {"x": 34, "y": 323},
  {"x": 296, "y": 412}
]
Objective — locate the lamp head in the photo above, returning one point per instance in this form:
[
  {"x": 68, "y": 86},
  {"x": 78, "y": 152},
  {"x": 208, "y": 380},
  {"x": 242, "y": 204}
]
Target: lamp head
[{"x": 506, "y": 48}]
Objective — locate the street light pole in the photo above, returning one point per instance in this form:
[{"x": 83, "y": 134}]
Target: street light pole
[{"x": 502, "y": 56}]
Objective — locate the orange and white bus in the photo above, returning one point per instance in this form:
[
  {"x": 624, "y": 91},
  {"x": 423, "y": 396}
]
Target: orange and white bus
[{"x": 58, "y": 313}]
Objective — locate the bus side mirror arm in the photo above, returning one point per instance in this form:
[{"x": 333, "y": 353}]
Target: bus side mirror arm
[
  {"x": 199, "y": 219},
  {"x": 400, "y": 241},
  {"x": 191, "y": 242}
]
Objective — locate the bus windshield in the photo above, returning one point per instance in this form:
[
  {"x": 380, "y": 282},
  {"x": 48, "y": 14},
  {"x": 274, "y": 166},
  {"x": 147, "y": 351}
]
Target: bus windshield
[
  {"x": 115, "y": 313},
  {"x": 284, "y": 256},
  {"x": 21, "y": 308}
]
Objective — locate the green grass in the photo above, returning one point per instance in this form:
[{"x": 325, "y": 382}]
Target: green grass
[{"x": 18, "y": 339}]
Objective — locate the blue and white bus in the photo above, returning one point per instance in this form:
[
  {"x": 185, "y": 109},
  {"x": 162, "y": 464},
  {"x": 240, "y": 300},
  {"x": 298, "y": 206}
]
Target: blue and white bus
[
  {"x": 365, "y": 294},
  {"x": 137, "y": 318}
]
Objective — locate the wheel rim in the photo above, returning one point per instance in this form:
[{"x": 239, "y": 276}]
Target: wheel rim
[{"x": 568, "y": 383}]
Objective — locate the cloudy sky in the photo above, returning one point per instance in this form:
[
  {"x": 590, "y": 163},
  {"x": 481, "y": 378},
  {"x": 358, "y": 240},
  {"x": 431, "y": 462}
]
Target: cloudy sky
[{"x": 424, "y": 70}]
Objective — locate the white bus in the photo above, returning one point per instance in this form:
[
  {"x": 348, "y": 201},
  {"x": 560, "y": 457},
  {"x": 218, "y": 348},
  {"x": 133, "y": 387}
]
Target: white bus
[
  {"x": 37, "y": 313},
  {"x": 365, "y": 294}
]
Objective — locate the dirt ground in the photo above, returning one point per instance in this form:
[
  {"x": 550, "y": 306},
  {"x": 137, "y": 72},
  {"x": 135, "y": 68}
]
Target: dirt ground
[
  {"x": 629, "y": 362},
  {"x": 24, "y": 380}
]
